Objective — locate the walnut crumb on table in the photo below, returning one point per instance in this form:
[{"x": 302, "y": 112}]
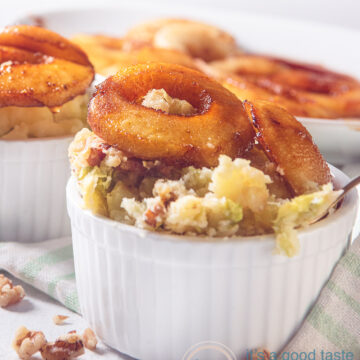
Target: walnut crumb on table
[
  {"x": 66, "y": 347},
  {"x": 59, "y": 319},
  {"x": 89, "y": 339},
  {"x": 27, "y": 343},
  {"x": 9, "y": 294}
]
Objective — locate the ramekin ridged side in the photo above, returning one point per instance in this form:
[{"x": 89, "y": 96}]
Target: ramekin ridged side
[
  {"x": 33, "y": 176},
  {"x": 153, "y": 296}
]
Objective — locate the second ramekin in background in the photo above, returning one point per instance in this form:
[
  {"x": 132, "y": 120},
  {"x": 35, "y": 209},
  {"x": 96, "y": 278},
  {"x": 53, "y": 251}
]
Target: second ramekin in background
[
  {"x": 33, "y": 176},
  {"x": 153, "y": 295}
]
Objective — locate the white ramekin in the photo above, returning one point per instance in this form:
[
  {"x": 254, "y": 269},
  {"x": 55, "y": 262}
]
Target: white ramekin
[
  {"x": 33, "y": 176},
  {"x": 153, "y": 296}
]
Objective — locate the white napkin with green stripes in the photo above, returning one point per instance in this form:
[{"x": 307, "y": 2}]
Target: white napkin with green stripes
[
  {"x": 48, "y": 266},
  {"x": 333, "y": 325}
]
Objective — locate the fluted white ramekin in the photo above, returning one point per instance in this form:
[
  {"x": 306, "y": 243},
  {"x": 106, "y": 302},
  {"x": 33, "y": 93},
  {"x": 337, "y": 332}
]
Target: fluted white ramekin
[
  {"x": 153, "y": 296},
  {"x": 33, "y": 176}
]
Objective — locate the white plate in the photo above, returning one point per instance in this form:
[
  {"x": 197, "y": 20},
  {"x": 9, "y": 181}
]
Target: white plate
[
  {"x": 327, "y": 45},
  {"x": 338, "y": 140}
]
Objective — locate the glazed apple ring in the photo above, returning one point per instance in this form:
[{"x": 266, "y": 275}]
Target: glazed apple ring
[
  {"x": 196, "y": 39},
  {"x": 289, "y": 145},
  {"x": 108, "y": 57},
  {"x": 219, "y": 124},
  {"x": 295, "y": 103},
  {"x": 40, "y": 68},
  {"x": 303, "y": 89},
  {"x": 246, "y": 89}
]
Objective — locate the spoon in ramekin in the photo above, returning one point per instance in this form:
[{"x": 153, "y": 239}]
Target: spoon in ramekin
[{"x": 348, "y": 187}]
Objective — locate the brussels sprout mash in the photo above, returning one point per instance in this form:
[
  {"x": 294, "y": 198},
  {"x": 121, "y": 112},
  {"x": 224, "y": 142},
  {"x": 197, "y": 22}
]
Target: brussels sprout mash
[
  {"x": 233, "y": 199},
  {"x": 299, "y": 212}
]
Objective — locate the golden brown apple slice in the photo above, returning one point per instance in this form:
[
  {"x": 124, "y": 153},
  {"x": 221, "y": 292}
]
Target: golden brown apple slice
[
  {"x": 289, "y": 145},
  {"x": 39, "y": 40},
  {"x": 40, "y": 68}
]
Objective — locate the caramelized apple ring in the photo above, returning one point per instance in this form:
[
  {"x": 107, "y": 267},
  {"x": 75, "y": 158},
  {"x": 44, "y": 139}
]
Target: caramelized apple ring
[
  {"x": 196, "y": 39},
  {"x": 303, "y": 89},
  {"x": 99, "y": 42},
  {"x": 40, "y": 68},
  {"x": 300, "y": 76},
  {"x": 246, "y": 89},
  {"x": 108, "y": 57},
  {"x": 289, "y": 145},
  {"x": 220, "y": 125},
  {"x": 294, "y": 102}
]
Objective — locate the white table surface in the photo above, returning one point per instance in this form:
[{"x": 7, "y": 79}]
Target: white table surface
[{"x": 37, "y": 309}]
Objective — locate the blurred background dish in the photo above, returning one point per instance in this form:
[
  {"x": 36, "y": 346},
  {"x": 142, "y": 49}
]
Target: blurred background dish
[
  {"x": 45, "y": 84},
  {"x": 338, "y": 140}
]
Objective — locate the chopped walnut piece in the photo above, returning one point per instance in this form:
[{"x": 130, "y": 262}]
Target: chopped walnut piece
[
  {"x": 9, "y": 294},
  {"x": 153, "y": 216},
  {"x": 27, "y": 343},
  {"x": 59, "y": 319},
  {"x": 260, "y": 353},
  {"x": 66, "y": 347},
  {"x": 89, "y": 339},
  {"x": 95, "y": 156}
]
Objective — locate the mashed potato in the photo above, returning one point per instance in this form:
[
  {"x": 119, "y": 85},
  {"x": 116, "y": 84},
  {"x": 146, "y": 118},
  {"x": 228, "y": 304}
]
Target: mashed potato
[
  {"x": 230, "y": 199},
  {"x": 18, "y": 123},
  {"x": 159, "y": 99}
]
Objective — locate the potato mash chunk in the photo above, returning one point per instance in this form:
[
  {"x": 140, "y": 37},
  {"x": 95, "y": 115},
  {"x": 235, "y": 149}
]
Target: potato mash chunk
[
  {"x": 159, "y": 99},
  {"x": 19, "y": 123}
]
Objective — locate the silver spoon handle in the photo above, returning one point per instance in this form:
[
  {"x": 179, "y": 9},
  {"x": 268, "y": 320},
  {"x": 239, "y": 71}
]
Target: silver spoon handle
[{"x": 354, "y": 182}]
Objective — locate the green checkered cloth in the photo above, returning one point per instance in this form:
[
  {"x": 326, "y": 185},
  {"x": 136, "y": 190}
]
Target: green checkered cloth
[
  {"x": 333, "y": 325},
  {"x": 48, "y": 266}
]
